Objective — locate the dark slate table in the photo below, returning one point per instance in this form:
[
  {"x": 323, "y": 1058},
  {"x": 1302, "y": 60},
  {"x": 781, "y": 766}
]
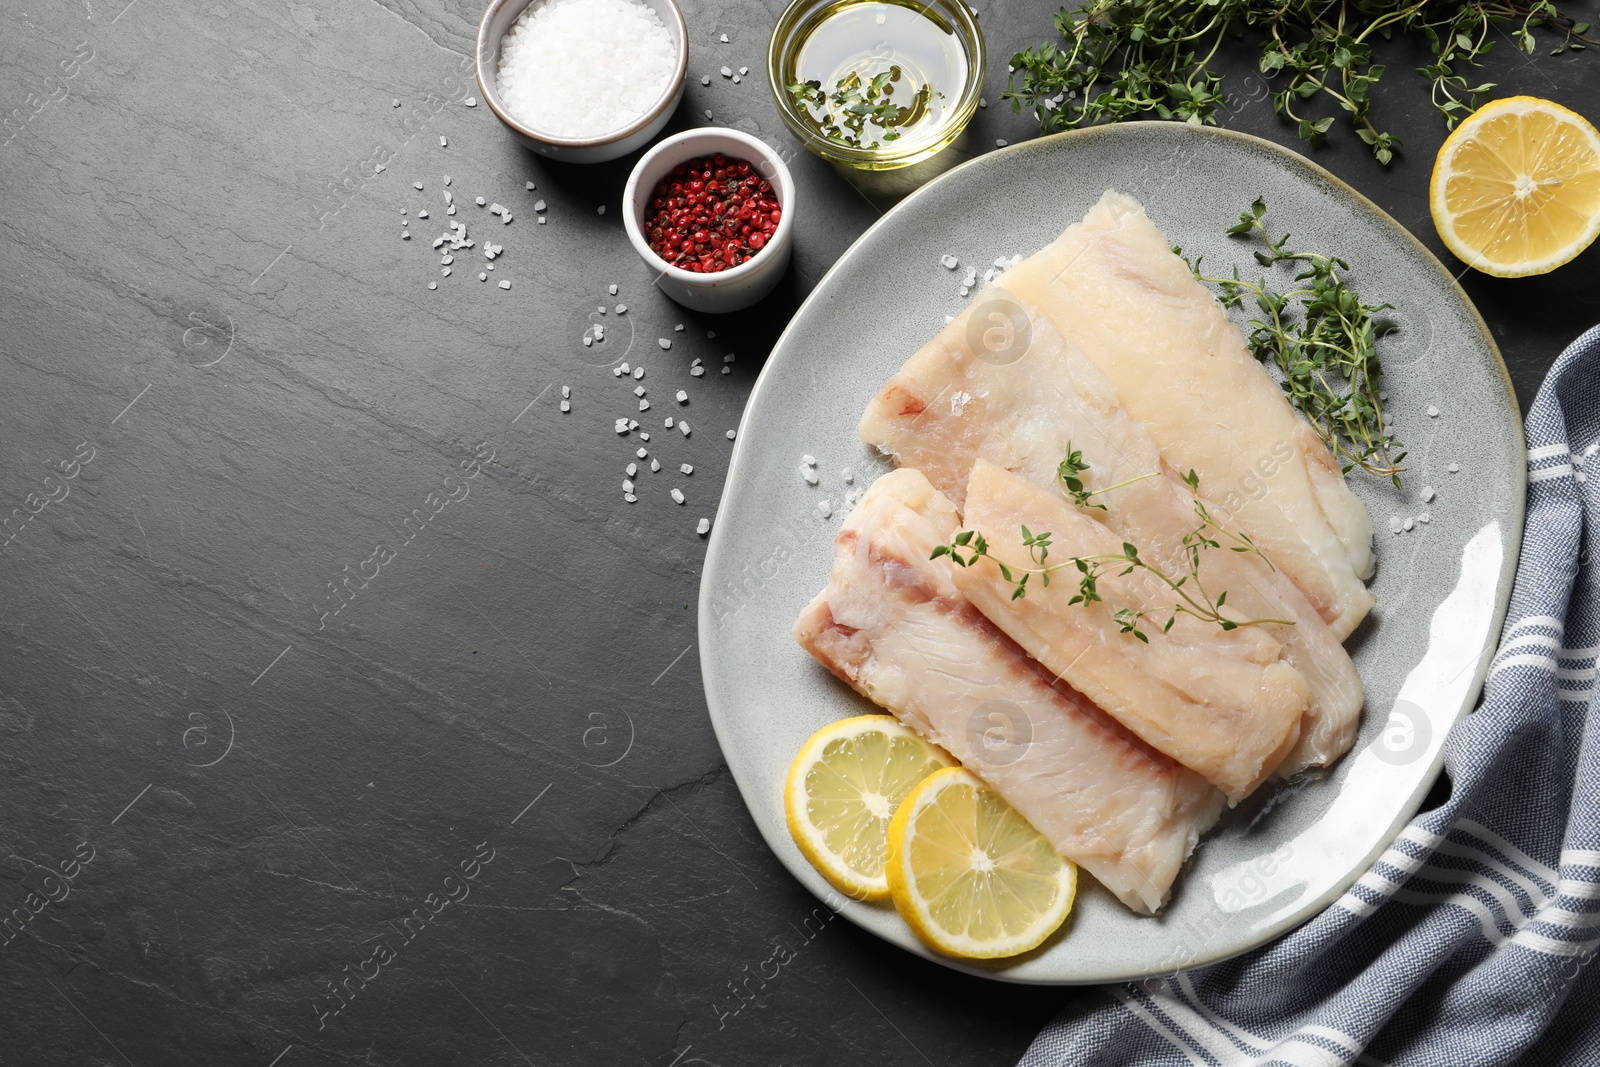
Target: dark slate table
[{"x": 347, "y": 712}]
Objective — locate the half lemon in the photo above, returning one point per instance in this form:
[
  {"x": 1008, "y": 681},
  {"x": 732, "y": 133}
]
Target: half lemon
[
  {"x": 1516, "y": 187},
  {"x": 970, "y": 875},
  {"x": 843, "y": 788}
]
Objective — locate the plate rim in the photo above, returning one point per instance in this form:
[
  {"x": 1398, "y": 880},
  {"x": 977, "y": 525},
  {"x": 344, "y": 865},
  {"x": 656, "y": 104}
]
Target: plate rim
[{"x": 1505, "y": 579}]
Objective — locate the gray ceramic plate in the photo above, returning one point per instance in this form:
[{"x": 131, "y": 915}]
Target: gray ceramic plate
[{"x": 1442, "y": 587}]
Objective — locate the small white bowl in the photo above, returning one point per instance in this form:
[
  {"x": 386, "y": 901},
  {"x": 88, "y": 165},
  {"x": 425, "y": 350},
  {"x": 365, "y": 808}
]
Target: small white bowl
[
  {"x": 497, "y": 20},
  {"x": 734, "y": 288}
]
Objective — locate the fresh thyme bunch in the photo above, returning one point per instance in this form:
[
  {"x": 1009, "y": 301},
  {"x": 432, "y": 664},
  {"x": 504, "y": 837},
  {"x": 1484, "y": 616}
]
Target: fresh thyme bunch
[
  {"x": 1123, "y": 59},
  {"x": 1326, "y": 348}
]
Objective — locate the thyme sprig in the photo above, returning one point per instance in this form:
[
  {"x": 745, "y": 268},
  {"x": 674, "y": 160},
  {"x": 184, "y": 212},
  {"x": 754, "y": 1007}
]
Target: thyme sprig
[
  {"x": 1122, "y": 59},
  {"x": 844, "y": 114},
  {"x": 1067, "y": 480},
  {"x": 970, "y": 546},
  {"x": 1325, "y": 347}
]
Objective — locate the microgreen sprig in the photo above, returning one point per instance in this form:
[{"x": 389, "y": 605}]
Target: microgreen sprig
[{"x": 1326, "y": 348}]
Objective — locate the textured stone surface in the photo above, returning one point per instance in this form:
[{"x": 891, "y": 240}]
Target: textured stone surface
[{"x": 215, "y": 343}]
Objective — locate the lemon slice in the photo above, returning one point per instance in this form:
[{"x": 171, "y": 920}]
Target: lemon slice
[
  {"x": 1516, "y": 187},
  {"x": 842, "y": 789},
  {"x": 971, "y": 875}
]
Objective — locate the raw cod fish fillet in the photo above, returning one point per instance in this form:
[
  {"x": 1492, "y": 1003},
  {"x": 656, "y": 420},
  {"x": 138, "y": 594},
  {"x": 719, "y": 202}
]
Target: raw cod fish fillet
[
  {"x": 1113, "y": 287},
  {"x": 1221, "y": 702},
  {"x": 953, "y": 404},
  {"x": 893, "y": 625}
]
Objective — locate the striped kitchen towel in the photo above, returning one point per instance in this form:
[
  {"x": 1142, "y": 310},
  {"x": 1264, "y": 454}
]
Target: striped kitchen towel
[{"x": 1471, "y": 941}]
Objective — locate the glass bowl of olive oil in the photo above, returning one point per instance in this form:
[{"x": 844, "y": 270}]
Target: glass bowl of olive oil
[{"x": 876, "y": 84}]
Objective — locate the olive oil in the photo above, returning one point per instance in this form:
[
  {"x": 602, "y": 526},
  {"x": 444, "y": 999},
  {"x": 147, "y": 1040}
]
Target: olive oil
[{"x": 876, "y": 73}]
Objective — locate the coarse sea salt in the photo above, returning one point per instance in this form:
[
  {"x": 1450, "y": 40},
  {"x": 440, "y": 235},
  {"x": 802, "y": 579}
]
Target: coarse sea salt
[{"x": 585, "y": 68}]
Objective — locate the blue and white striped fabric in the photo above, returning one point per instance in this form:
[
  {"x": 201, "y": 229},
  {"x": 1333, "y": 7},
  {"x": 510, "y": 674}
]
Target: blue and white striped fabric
[{"x": 1471, "y": 941}]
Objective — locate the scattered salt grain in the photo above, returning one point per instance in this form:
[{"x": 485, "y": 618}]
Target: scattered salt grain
[
  {"x": 668, "y": 422},
  {"x": 677, "y": 496},
  {"x": 422, "y": 214},
  {"x": 1427, "y": 494},
  {"x": 683, "y": 427},
  {"x": 539, "y": 205},
  {"x": 847, "y": 476},
  {"x": 1410, "y": 525},
  {"x": 1454, "y": 468},
  {"x": 601, "y": 210},
  {"x": 729, "y": 358},
  {"x": 705, "y": 80},
  {"x": 809, "y": 460},
  {"x": 999, "y": 142},
  {"x": 663, "y": 342},
  {"x": 638, "y": 390},
  {"x": 543, "y": 220},
  {"x": 1396, "y": 524},
  {"x": 480, "y": 201},
  {"x": 548, "y": 75},
  {"x": 744, "y": 70},
  {"x": 679, "y": 327},
  {"x": 405, "y": 236},
  {"x": 397, "y": 101},
  {"x": 627, "y": 485},
  {"x": 505, "y": 283},
  {"x": 529, "y": 185},
  {"x": 472, "y": 101},
  {"x": 686, "y": 468},
  {"x": 621, "y": 309},
  {"x": 809, "y": 474},
  {"x": 630, "y": 498},
  {"x": 482, "y": 277},
  {"x": 443, "y": 143},
  {"x": 416, "y": 185},
  {"x": 736, "y": 79},
  {"x": 612, "y": 289},
  {"x": 655, "y": 465},
  {"x": 625, "y": 369},
  {"x": 727, "y": 72},
  {"x": 642, "y": 436},
  {"x": 433, "y": 285},
  {"x": 731, "y": 434},
  {"x": 641, "y": 453},
  {"x": 622, "y": 427},
  {"x": 824, "y": 508},
  {"x": 1424, "y": 518},
  {"x": 702, "y": 527},
  {"x": 983, "y": 101},
  {"x": 631, "y": 469},
  {"x": 723, "y": 38},
  {"x": 644, "y": 405},
  {"x": 950, "y": 262},
  {"x": 638, "y": 373},
  {"x": 682, "y": 397},
  {"x": 695, "y": 372},
  {"x": 727, "y": 370},
  {"x": 1433, "y": 412},
  {"x": 566, "y": 406}
]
